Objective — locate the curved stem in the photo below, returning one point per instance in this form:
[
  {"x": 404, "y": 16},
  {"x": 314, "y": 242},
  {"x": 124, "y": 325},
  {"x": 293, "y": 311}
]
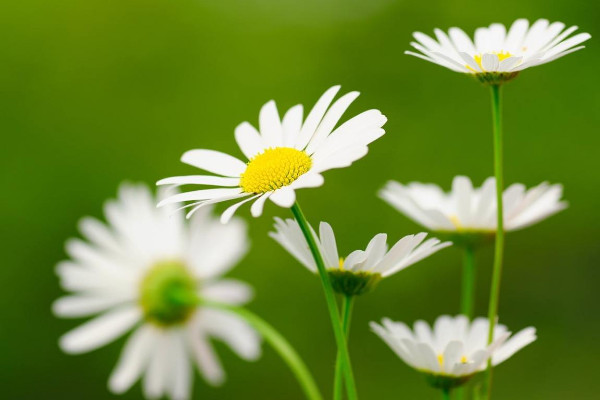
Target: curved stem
[
  {"x": 280, "y": 344},
  {"x": 499, "y": 250},
  {"x": 467, "y": 300},
  {"x": 346, "y": 318},
  {"x": 334, "y": 315}
]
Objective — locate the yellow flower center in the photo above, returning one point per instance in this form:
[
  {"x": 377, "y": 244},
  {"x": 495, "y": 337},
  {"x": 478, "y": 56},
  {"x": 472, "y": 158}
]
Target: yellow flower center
[
  {"x": 273, "y": 169},
  {"x": 502, "y": 55},
  {"x": 341, "y": 263}
]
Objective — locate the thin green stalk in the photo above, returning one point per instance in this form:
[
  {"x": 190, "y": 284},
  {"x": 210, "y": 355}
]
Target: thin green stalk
[
  {"x": 280, "y": 344},
  {"x": 446, "y": 394},
  {"x": 334, "y": 315},
  {"x": 467, "y": 299},
  {"x": 499, "y": 251},
  {"x": 346, "y": 318}
]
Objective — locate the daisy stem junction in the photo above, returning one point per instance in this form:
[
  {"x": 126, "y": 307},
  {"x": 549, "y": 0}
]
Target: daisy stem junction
[
  {"x": 467, "y": 299},
  {"x": 281, "y": 346},
  {"x": 347, "y": 305},
  {"x": 499, "y": 249},
  {"x": 336, "y": 321}
]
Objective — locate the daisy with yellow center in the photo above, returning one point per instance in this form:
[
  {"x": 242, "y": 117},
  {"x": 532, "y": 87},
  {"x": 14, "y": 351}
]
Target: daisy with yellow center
[
  {"x": 361, "y": 270},
  {"x": 454, "y": 349},
  {"x": 468, "y": 210},
  {"x": 284, "y": 154},
  {"x": 497, "y": 54}
]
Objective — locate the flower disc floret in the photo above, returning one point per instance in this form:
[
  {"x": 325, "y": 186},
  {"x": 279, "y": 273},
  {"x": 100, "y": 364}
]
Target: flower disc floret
[
  {"x": 168, "y": 294},
  {"x": 273, "y": 169}
]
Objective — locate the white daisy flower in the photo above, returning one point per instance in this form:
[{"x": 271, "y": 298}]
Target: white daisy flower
[
  {"x": 497, "y": 55},
  {"x": 146, "y": 271},
  {"x": 453, "y": 349},
  {"x": 361, "y": 270},
  {"x": 284, "y": 155},
  {"x": 468, "y": 210}
]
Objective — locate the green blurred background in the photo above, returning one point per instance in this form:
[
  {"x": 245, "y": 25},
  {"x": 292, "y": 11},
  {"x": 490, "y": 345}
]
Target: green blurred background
[{"x": 95, "y": 92}]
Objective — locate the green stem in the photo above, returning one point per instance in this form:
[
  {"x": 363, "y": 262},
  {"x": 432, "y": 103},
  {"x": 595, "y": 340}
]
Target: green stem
[
  {"x": 346, "y": 317},
  {"x": 446, "y": 394},
  {"x": 334, "y": 315},
  {"x": 280, "y": 344},
  {"x": 499, "y": 251},
  {"x": 467, "y": 299}
]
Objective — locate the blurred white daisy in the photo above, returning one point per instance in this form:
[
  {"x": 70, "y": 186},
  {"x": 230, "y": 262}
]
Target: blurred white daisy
[
  {"x": 466, "y": 209},
  {"x": 454, "y": 349},
  {"x": 146, "y": 271},
  {"x": 497, "y": 55},
  {"x": 284, "y": 155},
  {"x": 361, "y": 270}
]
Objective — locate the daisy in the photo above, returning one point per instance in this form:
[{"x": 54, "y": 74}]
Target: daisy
[
  {"x": 466, "y": 209},
  {"x": 361, "y": 270},
  {"x": 453, "y": 349},
  {"x": 496, "y": 55},
  {"x": 284, "y": 154},
  {"x": 146, "y": 271}
]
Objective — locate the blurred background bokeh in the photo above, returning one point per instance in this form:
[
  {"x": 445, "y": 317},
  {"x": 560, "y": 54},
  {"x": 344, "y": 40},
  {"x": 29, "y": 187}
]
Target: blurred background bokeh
[{"x": 100, "y": 91}]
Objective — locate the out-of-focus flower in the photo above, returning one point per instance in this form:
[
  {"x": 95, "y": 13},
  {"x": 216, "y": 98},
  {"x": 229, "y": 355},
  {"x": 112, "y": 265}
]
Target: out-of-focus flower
[
  {"x": 147, "y": 271},
  {"x": 454, "y": 349},
  {"x": 466, "y": 210}
]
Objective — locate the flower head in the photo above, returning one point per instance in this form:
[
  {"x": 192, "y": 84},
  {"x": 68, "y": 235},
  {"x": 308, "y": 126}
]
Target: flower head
[
  {"x": 147, "y": 271},
  {"x": 471, "y": 212},
  {"x": 453, "y": 349},
  {"x": 496, "y": 55},
  {"x": 283, "y": 155},
  {"x": 362, "y": 269}
]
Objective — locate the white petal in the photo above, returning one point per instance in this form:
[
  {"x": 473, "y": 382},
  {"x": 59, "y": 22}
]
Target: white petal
[
  {"x": 257, "y": 207},
  {"x": 133, "y": 360},
  {"x": 229, "y": 212},
  {"x": 203, "y": 194},
  {"x": 284, "y": 197},
  {"x": 156, "y": 379},
  {"x": 514, "y": 344},
  {"x": 567, "y": 44},
  {"x": 452, "y": 355},
  {"x": 181, "y": 369},
  {"x": 291, "y": 125},
  {"x": 470, "y": 61},
  {"x": 330, "y": 120},
  {"x": 270, "y": 125},
  {"x": 516, "y": 36},
  {"x": 200, "y": 180},
  {"x": 461, "y": 41},
  {"x": 100, "y": 330},
  {"x": 228, "y": 291},
  {"x": 314, "y": 117},
  {"x": 215, "y": 162},
  {"x": 330, "y": 253},
  {"x": 249, "y": 140},
  {"x": 490, "y": 62},
  {"x": 234, "y": 331},
  {"x": 308, "y": 180},
  {"x": 206, "y": 359},
  {"x": 509, "y": 63},
  {"x": 76, "y": 306}
]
